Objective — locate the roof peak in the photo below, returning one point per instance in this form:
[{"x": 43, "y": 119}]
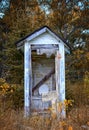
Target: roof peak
[{"x": 40, "y": 31}]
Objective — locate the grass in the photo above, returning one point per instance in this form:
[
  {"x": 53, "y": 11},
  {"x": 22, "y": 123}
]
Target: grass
[
  {"x": 76, "y": 119},
  {"x": 77, "y": 116}
]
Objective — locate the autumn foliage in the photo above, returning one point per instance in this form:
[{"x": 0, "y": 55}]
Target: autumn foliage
[{"x": 71, "y": 22}]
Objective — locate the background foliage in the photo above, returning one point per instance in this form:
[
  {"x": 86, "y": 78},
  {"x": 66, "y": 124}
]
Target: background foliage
[{"x": 69, "y": 19}]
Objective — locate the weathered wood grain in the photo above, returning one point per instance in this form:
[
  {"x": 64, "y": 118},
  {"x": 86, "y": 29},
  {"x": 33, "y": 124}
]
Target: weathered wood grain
[
  {"x": 27, "y": 78},
  {"x": 46, "y": 77}
]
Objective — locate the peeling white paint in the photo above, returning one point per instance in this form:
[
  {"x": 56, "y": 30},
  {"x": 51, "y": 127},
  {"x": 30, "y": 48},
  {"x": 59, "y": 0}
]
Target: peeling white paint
[
  {"x": 27, "y": 78},
  {"x": 44, "y": 41},
  {"x": 60, "y": 75}
]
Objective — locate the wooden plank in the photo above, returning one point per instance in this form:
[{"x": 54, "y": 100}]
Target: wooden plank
[
  {"x": 27, "y": 79},
  {"x": 45, "y": 78},
  {"x": 62, "y": 72},
  {"x": 60, "y": 75},
  {"x": 57, "y": 73},
  {"x": 43, "y": 46}
]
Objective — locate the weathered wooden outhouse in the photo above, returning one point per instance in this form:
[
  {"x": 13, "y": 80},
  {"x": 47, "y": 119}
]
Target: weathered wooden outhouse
[{"x": 44, "y": 69}]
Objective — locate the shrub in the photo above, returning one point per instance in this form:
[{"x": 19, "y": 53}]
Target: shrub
[{"x": 11, "y": 95}]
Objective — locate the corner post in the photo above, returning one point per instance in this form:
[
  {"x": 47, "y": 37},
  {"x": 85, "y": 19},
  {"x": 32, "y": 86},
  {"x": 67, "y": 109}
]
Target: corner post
[
  {"x": 60, "y": 78},
  {"x": 27, "y": 79}
]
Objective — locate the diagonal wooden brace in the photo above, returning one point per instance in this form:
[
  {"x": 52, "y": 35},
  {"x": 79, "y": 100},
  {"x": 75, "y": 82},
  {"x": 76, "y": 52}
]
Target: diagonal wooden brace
[{"x": 45, "y": 78}]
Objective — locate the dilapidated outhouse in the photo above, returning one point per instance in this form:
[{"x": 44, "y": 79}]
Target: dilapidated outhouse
[{"x": 44, "y": 69}]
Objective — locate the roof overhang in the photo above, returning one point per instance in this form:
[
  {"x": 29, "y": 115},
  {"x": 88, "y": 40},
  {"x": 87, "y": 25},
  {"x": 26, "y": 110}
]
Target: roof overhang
[{"x": 39, "y": 32}]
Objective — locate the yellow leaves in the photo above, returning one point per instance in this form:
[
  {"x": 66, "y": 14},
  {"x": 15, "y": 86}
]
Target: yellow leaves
[
  {"x": 5, "y": 87},
  {"x": 68, "y": 102},
  {"x": 70, "y": 128},
  {"x": 2, "y": 81},
  {"x": 62, "y": 123},
  {"x": 64, "y": 105},
  {"x": 50, "y": 108}
]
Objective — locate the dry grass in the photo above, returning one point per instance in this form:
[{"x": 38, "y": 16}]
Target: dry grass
[{"x": 76, "y": 120}]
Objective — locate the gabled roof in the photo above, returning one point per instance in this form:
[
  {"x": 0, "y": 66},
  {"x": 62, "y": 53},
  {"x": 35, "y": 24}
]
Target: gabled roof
[{"x": 38, "y": 32}]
